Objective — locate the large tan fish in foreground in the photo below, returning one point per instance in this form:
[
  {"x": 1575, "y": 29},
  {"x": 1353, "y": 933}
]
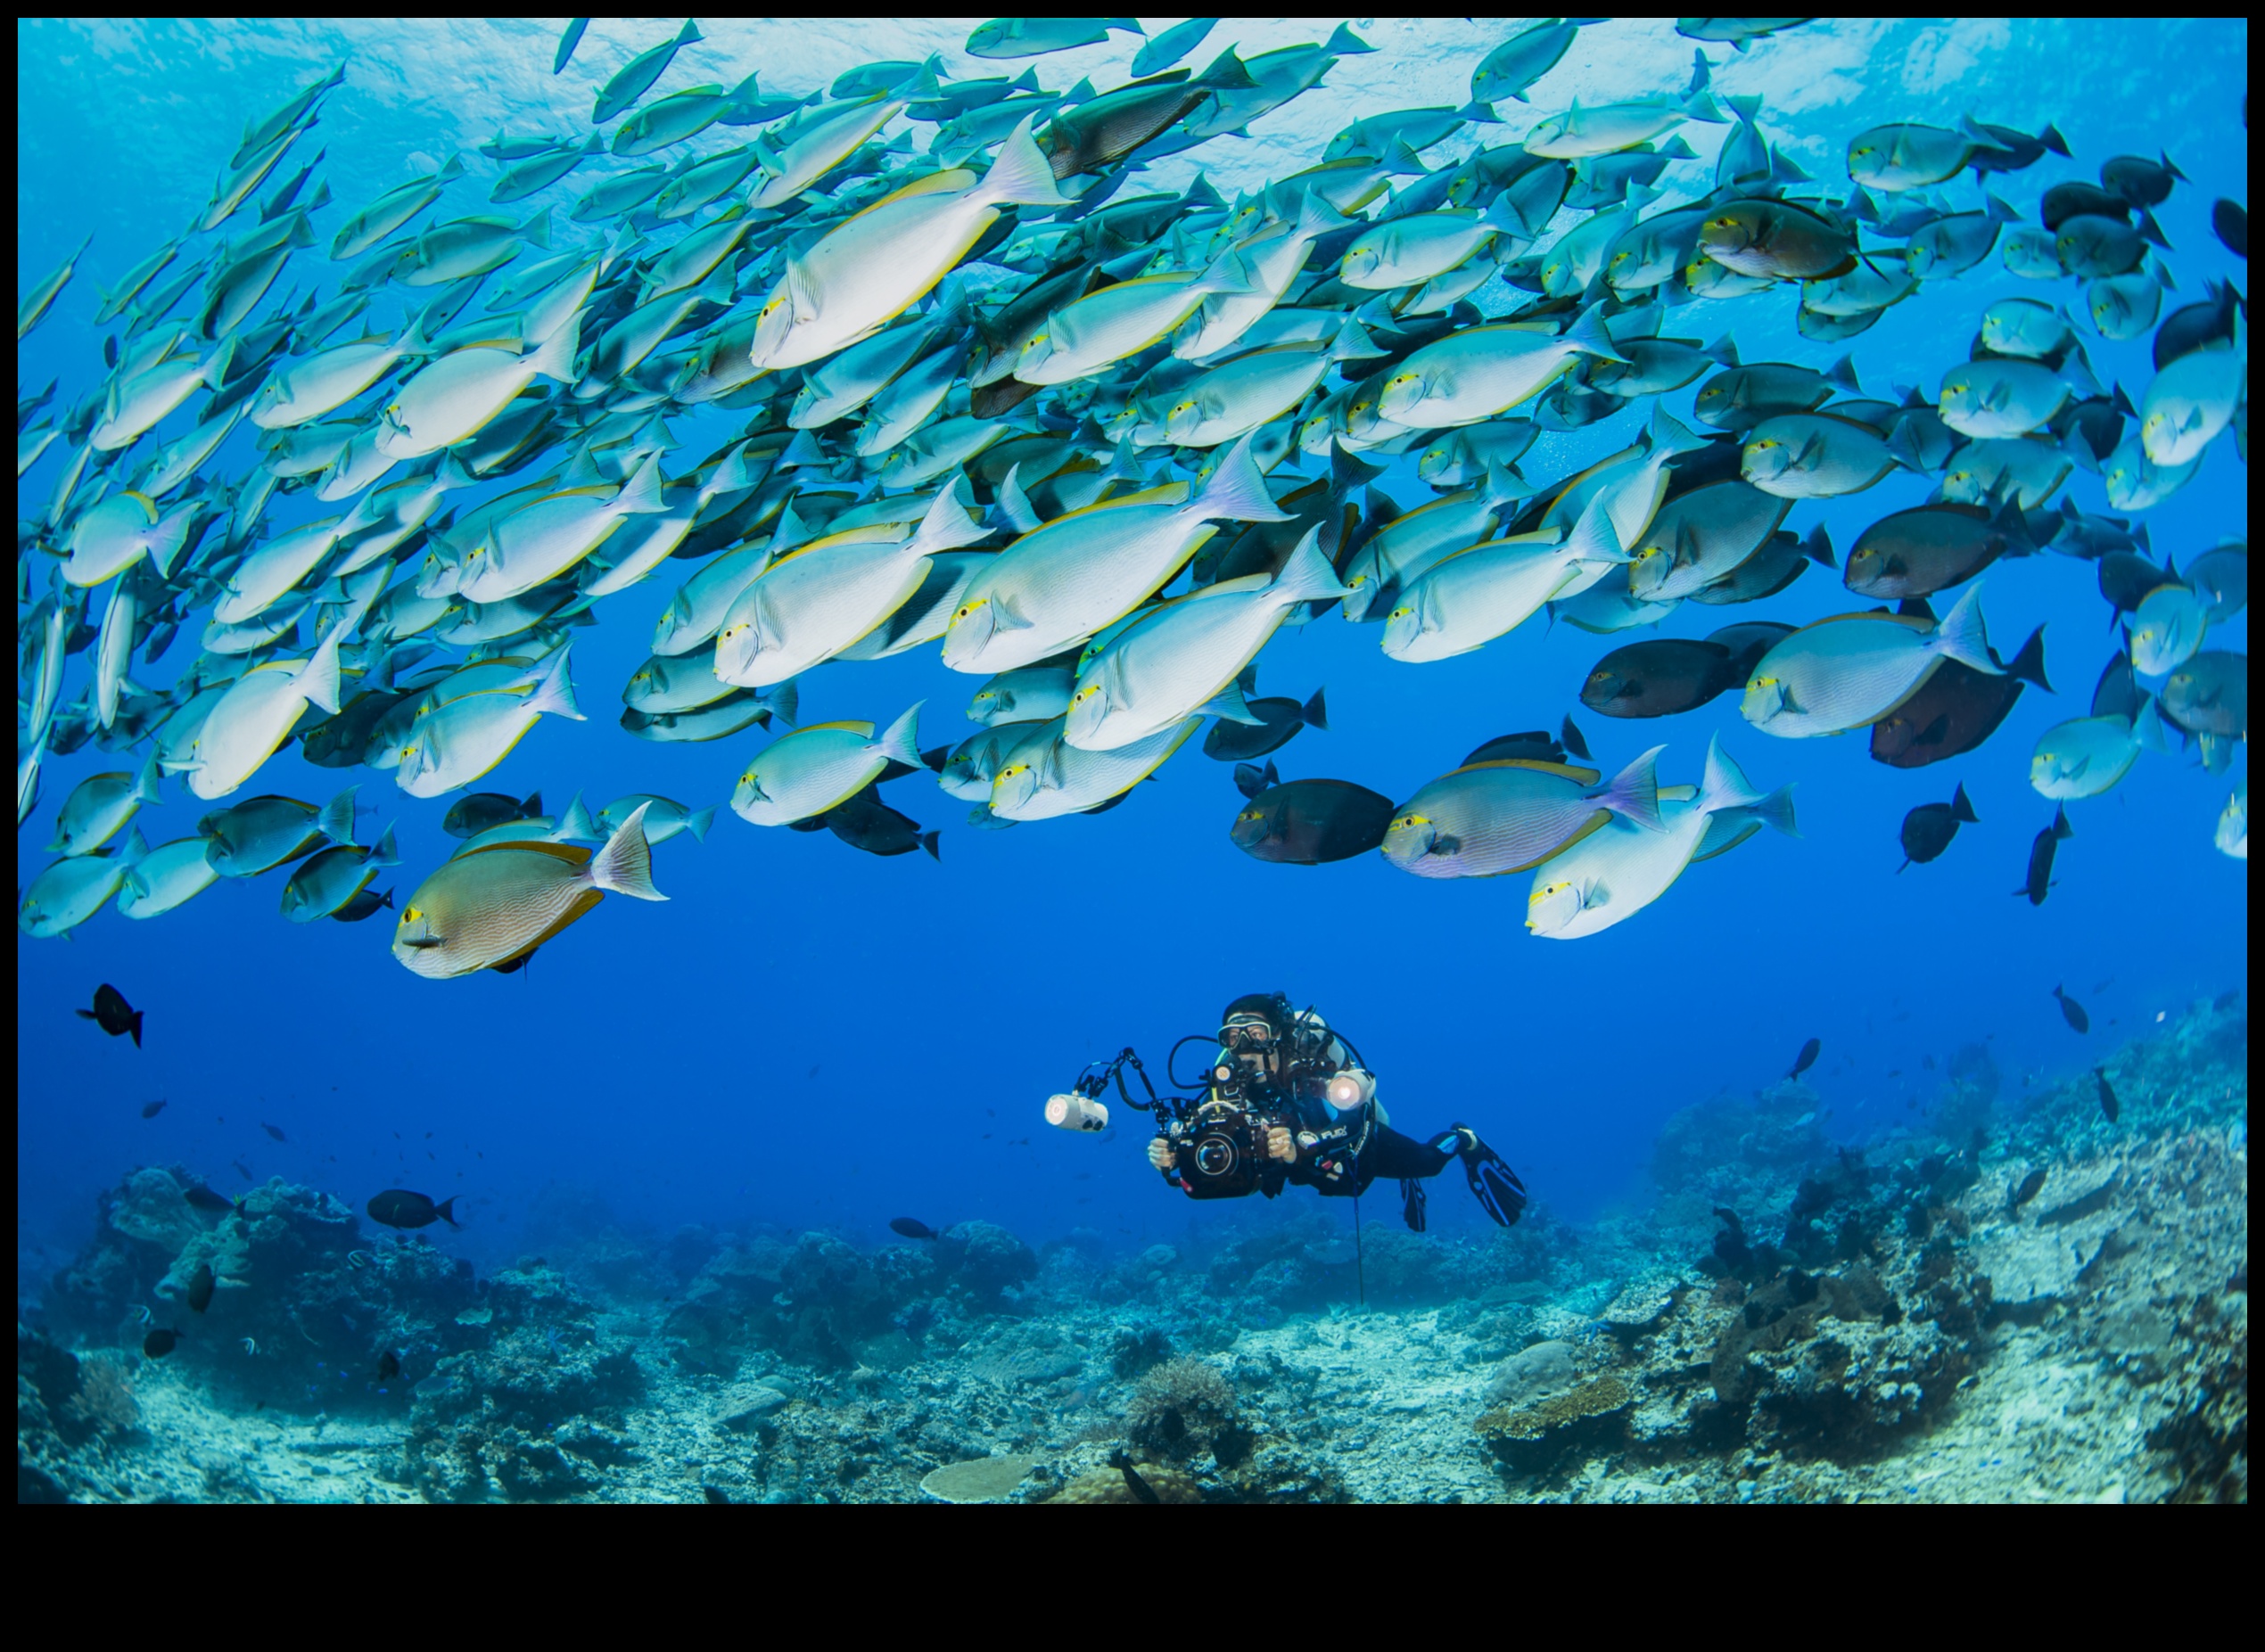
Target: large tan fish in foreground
[{"x": 490, "y": 908}]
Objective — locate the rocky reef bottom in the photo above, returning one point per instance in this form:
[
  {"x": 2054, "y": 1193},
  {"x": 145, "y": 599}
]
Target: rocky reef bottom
[{"x": 2040, "y": 1300}]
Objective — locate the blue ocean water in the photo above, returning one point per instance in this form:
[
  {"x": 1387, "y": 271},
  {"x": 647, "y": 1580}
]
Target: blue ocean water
[{"x": 805, "y": 1038}]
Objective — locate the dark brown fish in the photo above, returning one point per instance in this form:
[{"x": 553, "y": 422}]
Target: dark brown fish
[
  {"x": 2208, "y": 323},
  {"x": 2016, "y": 150},
  {"x": 1918, "y": 552},
  {"x": 1536, "y": 745},
  {"x": 397, "y": 1207},
  {"x": 1782, "y": 560},
  {"x": 159, "y": 1343},
  {"x": 2073, "y": 1012},
  {"x": 1107, "y": 128},
  {"x": 2127, "y": 577},
  {"x": 1307, "y": 822},
  {"x": 2027, "y": 1191},
  {"x": 1571, "y": 737},
  {"x": 114, "y": 1016},
  {"x": 1928, "y": 829},
  {"x": 482, "y": 811},
  {"x": 1806, "y": 1059},
  {"x": 1659, "y": 677},
  {"x": 2047, "y": 844},
  {"x": 201, "y": 1287},
  {"x": 389, "y": 1365},
  {"x": 2078, "y": 199},
  {"x": 151, "y": 1109},
  {"x": 2109, "y": 1105},
  {"x": 1250, "y": 779},
  {"x": 364, "y": 903},
  {"x": 912, "y": 1227},
  {"x": 341, "y": 740},
  {"x": 865, "y": 822},
  {"x": 1782, "y": 240},
  {"x": 276, "y": 1132},
  {"x": 2229, "y": 222},
  {"x": 1280, "y": 719},
  {"x": 1956, "y": 709},
  {"x": 2142, "y": 182}
]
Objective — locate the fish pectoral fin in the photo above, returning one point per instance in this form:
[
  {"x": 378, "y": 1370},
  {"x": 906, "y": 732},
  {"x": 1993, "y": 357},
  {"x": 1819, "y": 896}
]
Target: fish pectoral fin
[
  {"x": 1445, "y": 844},
  {"x": 1008, "y": 618},
  {"x": 422, "y": 941}
]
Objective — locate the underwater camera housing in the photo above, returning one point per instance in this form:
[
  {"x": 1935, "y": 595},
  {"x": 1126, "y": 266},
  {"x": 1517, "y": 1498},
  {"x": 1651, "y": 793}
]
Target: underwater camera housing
[{"x": 1221, "y": 1151}]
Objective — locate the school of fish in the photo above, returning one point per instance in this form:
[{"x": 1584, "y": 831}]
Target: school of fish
[{"x": 1095, "y": 448}]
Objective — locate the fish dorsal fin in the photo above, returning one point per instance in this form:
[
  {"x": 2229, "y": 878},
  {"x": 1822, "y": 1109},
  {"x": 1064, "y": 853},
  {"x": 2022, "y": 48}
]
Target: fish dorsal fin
[
  {"x": 1563, "y": 771},
  {"x": 863, "y": 731},
  {"x": 572, "y": 854},
  {"x": 950, "y": 177},
  {"x": 1146, "y": 496},
  {"x": 1912, "y": 620}
]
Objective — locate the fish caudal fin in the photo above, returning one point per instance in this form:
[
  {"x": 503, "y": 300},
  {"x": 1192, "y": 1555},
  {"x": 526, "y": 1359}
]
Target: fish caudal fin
[
  {"x": 947, "y": 526},
  {"x": 1634, "y": 793},
  {"x": 1236, "y": 491},
  {"x": 336, "y": 822},
  {"x": 1021, "y": 175},
  {"x": 899, "y": 741},
  {"x": 1960, "y": 636},
  {"x": 1228, "y": 705},
  {"x": 1725, "y": 784},
  {"x": 698, "y": 822},
  {"x": 318, "y": 678},
  {"x": 555, "y": 693},
  {"x": 1308, "y": 576},
  {"x": 575, "y": 826},
  {"x": 1962, "y": 807},
  {"x": 1778, "y": 809},
  {"x": 1315, "y": 712},
  {"x": 624, "y": 866}
]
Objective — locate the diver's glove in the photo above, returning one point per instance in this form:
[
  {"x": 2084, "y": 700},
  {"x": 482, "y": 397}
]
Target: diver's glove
[
  {"x": 1160, "y": 1153},
  {"x": 1493, "y": 1183}
]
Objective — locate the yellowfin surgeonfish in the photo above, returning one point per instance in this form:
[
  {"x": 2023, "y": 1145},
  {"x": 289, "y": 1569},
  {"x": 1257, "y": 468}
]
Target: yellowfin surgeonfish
[{"x": 492, "y": 908}]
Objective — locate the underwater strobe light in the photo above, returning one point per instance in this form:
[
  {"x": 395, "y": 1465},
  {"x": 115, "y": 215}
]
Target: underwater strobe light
[
  {"x": 1076, "y": 1113},
  {"x": 1350, "y": 1090}
]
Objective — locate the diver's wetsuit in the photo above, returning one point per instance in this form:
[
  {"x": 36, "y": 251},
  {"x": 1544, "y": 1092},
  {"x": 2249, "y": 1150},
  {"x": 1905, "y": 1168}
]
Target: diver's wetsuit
[{"x": 1341, "y": 1155}]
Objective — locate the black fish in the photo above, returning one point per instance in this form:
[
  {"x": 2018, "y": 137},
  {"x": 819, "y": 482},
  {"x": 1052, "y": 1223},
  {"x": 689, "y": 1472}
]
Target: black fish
[
  {"x": 1806, "y": 1059},
  {"x": 714, "y": 1494},
  {"x": 277, "y": 1134},
  {"x": 1782, "y": 560},
  {"x": 1280, "y": 719},
  {"x": 2208, "y": 323},
  {"x": 2027, "y": 1191},
  {"x": 113, "y": 1015},
  {"x": 2229, "y": 220},
  {"x": 1574, "y": 743},
  {"x": 239, "y": 1168},
  {"x": 1536, "y": 746},
  {"x": 200, "y": 1284},
  {"x": 151, "y": 1109},
  {"x": 363, "y": 903},
  {"x": 1928, "y": 829},
  {"x": 1957, "y": 708},
  {"x": 203, "y": 1198},
  {"x": 468, "y": 817},
  {"x": 2109, "y": 1105},
  {"x": 912, "y": 1227},
  {"x": 865, "y": 822},
  {"x": 397, "y": 1207},
  {"x": 2073, "y": 1012},
  {"x": 2126, "y": 578},
  {"x": 2142, "y": 182},
  {"x": 2077, "y": 199},
  {"x": 1659, "y": 677},
  {"x": 389, "y": 1365},
  {"x": 1250, "y": 779},
  {"x": 1307, "y": 822},
  {"x": 1112, "y": 126},
  {"x": 1930, "y": 547},
  {"x": 1140, "y": 1491},
  {"x": 159, "y": 1343},
  {"x": 2040, "y": 857}
]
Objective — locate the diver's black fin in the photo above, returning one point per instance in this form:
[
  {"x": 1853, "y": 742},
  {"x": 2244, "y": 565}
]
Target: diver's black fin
[
  {"x": 1493, "y": 1183},
  {"x": 1412, "y": 1199}
]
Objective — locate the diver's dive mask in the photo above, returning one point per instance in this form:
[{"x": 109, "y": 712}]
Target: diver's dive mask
[{"x": 1246, "y": 1035}]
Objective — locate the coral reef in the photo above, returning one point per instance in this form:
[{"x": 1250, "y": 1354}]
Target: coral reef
[{"x": 2001, "y": 1301}]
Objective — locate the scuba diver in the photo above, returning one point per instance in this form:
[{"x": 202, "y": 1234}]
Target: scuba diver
[{"x": 1288, "y": 1100}]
